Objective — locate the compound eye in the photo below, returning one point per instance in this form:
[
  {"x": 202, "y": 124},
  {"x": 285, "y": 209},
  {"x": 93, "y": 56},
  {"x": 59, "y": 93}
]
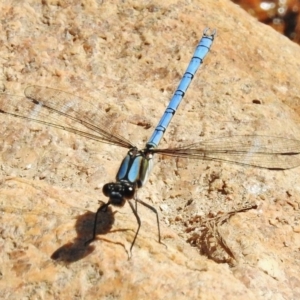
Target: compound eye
[
  {"x": 128, "y": 192},
  {"x": 106, "y": 190}
]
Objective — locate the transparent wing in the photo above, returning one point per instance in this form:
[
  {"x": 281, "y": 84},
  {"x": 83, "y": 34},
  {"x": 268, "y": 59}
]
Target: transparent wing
[
  {"x": 255, "y": 150},
  {"x": 63, "y": 110}
]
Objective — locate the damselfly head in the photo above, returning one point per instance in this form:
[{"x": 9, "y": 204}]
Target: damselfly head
[{"x": 119, "y": 192}]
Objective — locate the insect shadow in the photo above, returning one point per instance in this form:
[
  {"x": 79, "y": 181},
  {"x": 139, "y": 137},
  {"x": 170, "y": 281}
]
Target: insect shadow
[{"x": 77, "y": 249}]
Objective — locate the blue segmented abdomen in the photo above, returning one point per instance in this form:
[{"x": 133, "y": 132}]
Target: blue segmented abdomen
[{"x": 201, "y": 51}]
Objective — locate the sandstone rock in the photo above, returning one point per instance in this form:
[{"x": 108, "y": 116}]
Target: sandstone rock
[{"x": 129, "y": 57}]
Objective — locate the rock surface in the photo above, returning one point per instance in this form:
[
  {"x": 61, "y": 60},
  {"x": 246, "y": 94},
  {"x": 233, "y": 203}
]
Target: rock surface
[{"x": 129, "y": 57}]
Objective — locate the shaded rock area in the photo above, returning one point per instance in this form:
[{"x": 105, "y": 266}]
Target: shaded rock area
[
  {"x": 283, "y": 16},
  {"x": 127, "y": 59}
]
